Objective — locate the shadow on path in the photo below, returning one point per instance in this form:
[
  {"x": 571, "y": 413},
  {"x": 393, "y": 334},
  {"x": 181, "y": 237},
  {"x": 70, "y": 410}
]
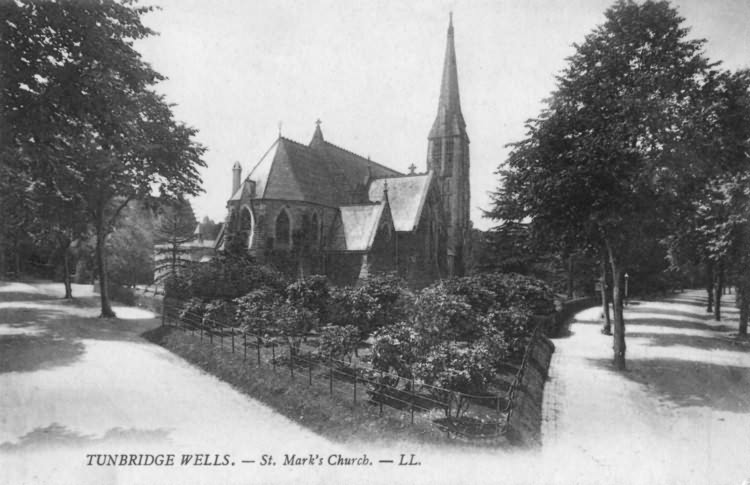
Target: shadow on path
[
  {"x": 42, "y": 332},
  {"x": 688, "y": 383},
  {"x": 57, "y": 435}
]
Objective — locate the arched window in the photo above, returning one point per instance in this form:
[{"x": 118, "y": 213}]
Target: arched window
[
  {"x": 315, "y": 230},
  {"x": 246, "y": 227},
  {"x": 283, "y": 233}
]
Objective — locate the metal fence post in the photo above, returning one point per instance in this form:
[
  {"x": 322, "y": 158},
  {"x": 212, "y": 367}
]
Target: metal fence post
[
  {"x": 257, "y": 341},
  {"x": 291, "y": 361},
  {"x": 330, "y": 378},
  {"x": 381, "y": 393},
  {"x": 244, "y": 346},
  {"x": 232, "y": 340},
  {"x": 273, "y": 355},
  {"x": 355, "y": 383},
  {"x": 309, "y": 373}
]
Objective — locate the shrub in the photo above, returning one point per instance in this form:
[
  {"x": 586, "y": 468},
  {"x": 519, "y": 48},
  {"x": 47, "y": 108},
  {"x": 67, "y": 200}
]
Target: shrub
[
  {"x": 220, "y": 313},
  {"x": 458, "y": 369},
  {"x": 514, "y": 325},
  {"x": 440, "y": 315},
  {"x": 254, "y": 312},
  {"x": 292, "y": 322},
  {"x": 395, "y": 349},
  {"x": 339, "y": 342},
  {"x": 224, "y": 277},
  {"x": 381, "y": 300},
  {"x": 311, "y": 293}
]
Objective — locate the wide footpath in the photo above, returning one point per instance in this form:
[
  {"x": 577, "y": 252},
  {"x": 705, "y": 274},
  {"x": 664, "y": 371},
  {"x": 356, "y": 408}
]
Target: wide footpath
[{"x": 72, "y": 385}]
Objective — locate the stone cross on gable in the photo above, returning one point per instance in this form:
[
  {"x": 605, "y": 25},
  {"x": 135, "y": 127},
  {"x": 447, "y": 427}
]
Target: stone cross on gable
[{"x": 412, "y": 168}]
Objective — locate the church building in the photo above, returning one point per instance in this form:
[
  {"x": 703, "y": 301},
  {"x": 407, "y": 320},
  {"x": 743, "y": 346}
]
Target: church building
[{"x": 317, "y": 208}]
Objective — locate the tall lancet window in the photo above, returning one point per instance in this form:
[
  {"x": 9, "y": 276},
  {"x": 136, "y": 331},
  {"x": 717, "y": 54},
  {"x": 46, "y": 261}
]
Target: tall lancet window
[
  {"x": 246, "y": 227},
  {"x": 283, "y": 230}
]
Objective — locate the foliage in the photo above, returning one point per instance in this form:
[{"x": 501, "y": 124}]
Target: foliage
[
  {"x": 130, "y": 248},
  {"x": 439, "y": 315},
  {"x": 225, "y": 276},
  {"x": 339, "y": 342},
  {"x": 380, "y": 300},
  {"x": 81, "y": 115},
  {"x": 461, "y": 369},
  {"x": 608, "y": 161},
  {"x": 174, "y": 227},
  {"x": 219, "y": 313},
  {"x": 292, "y": 322},
  {"x": 513, "y": 326},
  {"x": 311, "y": 293},
  {"x": 255, "y": 312},
  {"x": 396, "y": 348}
]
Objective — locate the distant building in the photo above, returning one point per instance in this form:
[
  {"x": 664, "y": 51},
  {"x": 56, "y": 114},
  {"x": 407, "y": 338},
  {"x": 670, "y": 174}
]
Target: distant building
[{"x": 321, "y": 209}]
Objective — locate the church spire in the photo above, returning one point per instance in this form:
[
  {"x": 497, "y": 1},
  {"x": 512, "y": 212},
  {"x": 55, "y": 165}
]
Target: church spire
[{"x": 449, "y": 120}]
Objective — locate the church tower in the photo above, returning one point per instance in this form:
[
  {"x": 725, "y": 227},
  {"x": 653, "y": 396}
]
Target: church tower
[{"x": 448, "y": 159}]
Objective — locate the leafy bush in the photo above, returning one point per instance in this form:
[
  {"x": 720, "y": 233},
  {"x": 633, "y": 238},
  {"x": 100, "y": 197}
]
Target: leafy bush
[
  {"x": 459, "y": 369},
  {"x": 339, "y": 342},
  {"x": 381, "y": 300},
  {"x": 514, "y": 326},
  {"x": 254, "y": 312},
  {"x": 440, "y": 315},
  {"x": 311, "y": 293},
  {"x": 514, "y": 290},
  {"x": 219, "y": 313},
  {"x": 224, "y": 277},
  {"x": 395, "y": 348},
  {"x": 292, "y": 322}
]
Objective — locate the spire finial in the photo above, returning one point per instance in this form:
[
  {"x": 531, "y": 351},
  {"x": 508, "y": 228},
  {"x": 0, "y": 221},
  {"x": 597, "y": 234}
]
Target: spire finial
[
  {"x": 318, "y": 135},
  {"x": 385, "y": 190},
  {"x": 280, "y": 125},
  {"x": 450, "y": 19}
]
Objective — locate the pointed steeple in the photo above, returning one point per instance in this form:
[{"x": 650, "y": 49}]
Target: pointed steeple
[
  {"x": 318, "y": 135},
  {"x": 449, "y": 120}
]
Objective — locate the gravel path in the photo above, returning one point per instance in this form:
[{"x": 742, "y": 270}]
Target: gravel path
[{"x": 680, "y": 414}]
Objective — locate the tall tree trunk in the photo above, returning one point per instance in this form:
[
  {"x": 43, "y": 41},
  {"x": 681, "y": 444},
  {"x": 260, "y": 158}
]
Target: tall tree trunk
[
  {"x": 66, "y": 274},
  {"x": 570, "y": 276},
  {"x": 102, "y": 266},
  {"x": 742, "y": 293},
  {"x": 710, "y": 287},
  {"x": 718, "y": 291},
  {"x": 607, "y": 328},
  {"x": 619, "y": 326}
]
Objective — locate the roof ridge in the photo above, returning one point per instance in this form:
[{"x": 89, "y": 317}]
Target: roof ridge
[
  {"x": 360, "y": 156},
  {"x": 402, "y": 176}
]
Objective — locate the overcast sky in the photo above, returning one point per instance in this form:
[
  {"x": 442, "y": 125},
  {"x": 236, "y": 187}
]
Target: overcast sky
[{"x": 371, "y": 72}]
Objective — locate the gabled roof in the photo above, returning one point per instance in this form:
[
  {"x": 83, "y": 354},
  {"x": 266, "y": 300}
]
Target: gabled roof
[
  {"x": 357, "y": 227},
  {"x": 406, "y": 197},
  {"x": 246, "y": 188},
  {"x": 321, "y": 173}
]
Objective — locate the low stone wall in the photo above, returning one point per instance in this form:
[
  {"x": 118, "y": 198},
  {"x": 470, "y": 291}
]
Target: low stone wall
[
  {"x": 524, "y": 425},
  {"x": 526, "y": 394}
]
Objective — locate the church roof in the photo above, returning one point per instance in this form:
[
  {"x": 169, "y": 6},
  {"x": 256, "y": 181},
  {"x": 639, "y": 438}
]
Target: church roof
[
  {"x": 321, "y": 172},
  {"x": 357, "y": 228},
  {"x": 406, "y": 197}
]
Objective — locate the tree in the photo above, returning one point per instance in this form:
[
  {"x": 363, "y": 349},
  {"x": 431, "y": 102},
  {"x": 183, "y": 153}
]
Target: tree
[
  {"x": 130, "y": 247},
  {"x": 606, "y": 161},
  {"x": 175, "y": 227},
  {"x": 81, "y": 115}
]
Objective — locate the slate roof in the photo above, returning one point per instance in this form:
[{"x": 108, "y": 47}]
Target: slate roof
[
  {"x": 406, "y": 197},
  {"x": 357, "y": 227},
  {"x": 321, "y": 172}
]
